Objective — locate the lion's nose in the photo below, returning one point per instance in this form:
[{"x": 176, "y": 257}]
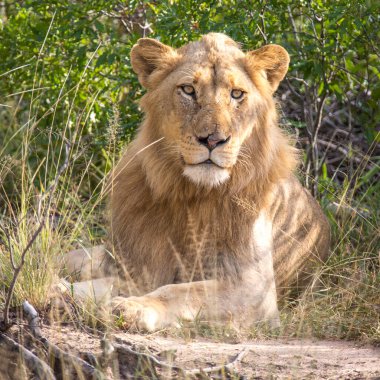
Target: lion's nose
[{"x": 212, "y": 141}]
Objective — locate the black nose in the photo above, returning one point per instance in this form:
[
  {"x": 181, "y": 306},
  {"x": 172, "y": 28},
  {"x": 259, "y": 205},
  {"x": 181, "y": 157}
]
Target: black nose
[{"x": 212, "y": 141}]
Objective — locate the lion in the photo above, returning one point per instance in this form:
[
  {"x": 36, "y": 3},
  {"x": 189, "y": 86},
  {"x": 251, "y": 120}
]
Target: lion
[{"x": 206, "y": 215}]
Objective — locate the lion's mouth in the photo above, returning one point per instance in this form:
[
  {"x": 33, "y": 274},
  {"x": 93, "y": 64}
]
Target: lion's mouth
[{"x": 207, "y": 162}]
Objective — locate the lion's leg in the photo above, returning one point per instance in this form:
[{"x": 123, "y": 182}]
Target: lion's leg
[
  {"x": 246, "y": 300},
  {"x": 99, "y": 290},
  {"x": 93, "y": 274},
  {"x": 89, "y": 263},
  {"x": 250, "y": 300}
]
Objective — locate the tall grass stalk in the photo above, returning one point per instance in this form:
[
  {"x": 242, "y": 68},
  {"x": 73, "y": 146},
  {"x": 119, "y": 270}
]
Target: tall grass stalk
[
  {"x": 57, "y": 183},
  {"x": 50, "y": 187}
]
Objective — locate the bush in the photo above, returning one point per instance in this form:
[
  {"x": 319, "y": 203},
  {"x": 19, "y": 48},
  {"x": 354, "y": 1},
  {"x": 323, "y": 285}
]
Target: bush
[{"x": 68, "y": 103}]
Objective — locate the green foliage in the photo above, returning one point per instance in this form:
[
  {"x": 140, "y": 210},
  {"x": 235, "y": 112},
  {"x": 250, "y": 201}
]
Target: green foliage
[
  {"x": 68, "y": 103},
  {"x": 64, "y": 70},
  {"x": 77, "y": 53}
]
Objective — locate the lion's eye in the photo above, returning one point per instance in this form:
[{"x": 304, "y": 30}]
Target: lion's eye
[
  {"x": 188, "y": 90},
  {"x": 237, "y": 94}
]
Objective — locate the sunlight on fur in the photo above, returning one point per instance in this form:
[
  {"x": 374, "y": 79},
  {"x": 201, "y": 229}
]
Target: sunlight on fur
[
  {"x": 206, "y": 174},
  {"x": 185, "y": 248}
]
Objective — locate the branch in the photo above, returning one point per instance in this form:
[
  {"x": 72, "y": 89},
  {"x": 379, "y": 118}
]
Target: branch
[
  {"x": 123, "y": 349},
  {"x": 38, "y": 367},
  {"x": 340, "y": 149},
  {"x": 33, "y": 319},
  {"x": 108, "y": 350},
  {"x": 295, "y": 31},
  {"x": 318, "y": 117},
  {"x": 34, "y": 323}
]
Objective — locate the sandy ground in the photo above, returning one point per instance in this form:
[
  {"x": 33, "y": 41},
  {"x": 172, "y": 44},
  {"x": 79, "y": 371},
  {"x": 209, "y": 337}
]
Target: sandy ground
[{"x": 269, "y": 359}]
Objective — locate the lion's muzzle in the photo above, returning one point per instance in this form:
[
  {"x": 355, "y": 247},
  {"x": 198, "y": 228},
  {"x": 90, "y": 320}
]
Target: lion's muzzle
[{"x": 213, "y": 140}]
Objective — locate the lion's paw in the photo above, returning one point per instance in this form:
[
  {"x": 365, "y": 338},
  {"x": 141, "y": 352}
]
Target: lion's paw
[{"x": 138, "y": 313}]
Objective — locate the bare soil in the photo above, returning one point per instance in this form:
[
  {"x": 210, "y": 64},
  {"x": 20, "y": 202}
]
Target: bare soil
[{"x": 265, "y": 359}]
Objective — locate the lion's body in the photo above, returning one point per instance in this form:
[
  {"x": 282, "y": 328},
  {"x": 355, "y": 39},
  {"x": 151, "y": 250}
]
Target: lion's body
[
  {"x": 204, "y": 203},
  {"x": 206, "y": 235}
]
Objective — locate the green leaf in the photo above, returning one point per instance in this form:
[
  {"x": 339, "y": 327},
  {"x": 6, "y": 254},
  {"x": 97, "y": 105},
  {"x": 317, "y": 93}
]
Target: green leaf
[{"x": 102, "y": 59}]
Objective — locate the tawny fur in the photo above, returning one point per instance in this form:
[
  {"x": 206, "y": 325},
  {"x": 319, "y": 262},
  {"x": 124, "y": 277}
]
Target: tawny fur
[{"x": 175, "y": 220}]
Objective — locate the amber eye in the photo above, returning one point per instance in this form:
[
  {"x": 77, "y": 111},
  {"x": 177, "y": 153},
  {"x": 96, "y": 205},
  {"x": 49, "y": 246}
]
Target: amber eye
[
  {"x": 188, "y": 90},
  {"x": 237, "y": 94}
]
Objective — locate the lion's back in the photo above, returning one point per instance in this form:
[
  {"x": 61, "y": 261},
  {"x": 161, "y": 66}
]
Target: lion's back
[{"x": 301, "y": 234}]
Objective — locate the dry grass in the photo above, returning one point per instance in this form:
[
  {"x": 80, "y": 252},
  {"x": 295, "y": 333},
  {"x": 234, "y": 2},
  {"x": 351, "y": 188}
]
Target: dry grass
[{"x": 344, "y": 305}]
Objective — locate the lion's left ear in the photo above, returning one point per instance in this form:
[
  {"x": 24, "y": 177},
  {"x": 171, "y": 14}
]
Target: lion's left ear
[
  {"x": 149, "y": 55},
  {"x": 273, "y": 60}
]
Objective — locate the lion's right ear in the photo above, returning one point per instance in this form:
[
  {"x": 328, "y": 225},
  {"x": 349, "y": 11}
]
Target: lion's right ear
[
  {"x": 149, "y": 55},
  {"x": 273, "y": 60}
]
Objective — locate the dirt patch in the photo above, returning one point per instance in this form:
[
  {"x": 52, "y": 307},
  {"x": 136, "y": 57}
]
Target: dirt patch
[{"x": 278, "y": 359}]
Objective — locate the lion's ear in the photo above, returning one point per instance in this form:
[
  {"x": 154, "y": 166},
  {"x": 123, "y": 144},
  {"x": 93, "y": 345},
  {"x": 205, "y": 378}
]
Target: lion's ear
[
  {"x": 273, "y": 60},
  {"x": 148, "y": 55}
]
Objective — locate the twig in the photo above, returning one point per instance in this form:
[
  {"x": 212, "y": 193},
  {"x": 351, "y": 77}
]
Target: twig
[
  {"x": 4, "y": 325},
  {"x": 38, "y": 367},
  {"x": 295, "y": 31},
  {"x": 34, "y": 323},
  {"x": 292, "y": 90},
  {"x": 226, "y": 367},
  {"x": 88, "y": 370},
  {"x": 121, "y": 348},
  {"x": 16, "y": 273},
  {"x": 340, "y": 149},
  {"x": 33, "y": 319},
  {"x": 318, "y": 117}
]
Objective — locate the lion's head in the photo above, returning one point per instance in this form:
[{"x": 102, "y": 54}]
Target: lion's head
[{"x": 209, "y": 107}]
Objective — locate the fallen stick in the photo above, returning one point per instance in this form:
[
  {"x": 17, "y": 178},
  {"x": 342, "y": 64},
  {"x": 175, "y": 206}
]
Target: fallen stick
[
  {"x": 33, "y": 319},
  {"x": 37, "y": 366},
  {"x": 89, "y": 370},
  {"x": 34, "y": 324},
  {"x": 186, "y": 372}
]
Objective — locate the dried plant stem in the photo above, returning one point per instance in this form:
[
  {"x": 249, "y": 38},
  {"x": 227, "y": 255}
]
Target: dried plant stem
[
  {"x": 4, "y": 325},
  {"x": 85, "y": 368},
  {"x": 37, "y": 366},
  {"x": 124, "y": 349},
  {"x": 17, "y": 269}
]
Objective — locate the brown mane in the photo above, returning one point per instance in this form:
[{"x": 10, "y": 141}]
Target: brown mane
[
  {"x": 205, "y": 213},
  {"x": 147, "y": 176}
]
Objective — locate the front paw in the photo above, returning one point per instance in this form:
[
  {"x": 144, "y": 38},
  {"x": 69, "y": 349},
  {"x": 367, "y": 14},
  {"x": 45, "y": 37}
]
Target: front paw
[{"x": 139, "y": 313}]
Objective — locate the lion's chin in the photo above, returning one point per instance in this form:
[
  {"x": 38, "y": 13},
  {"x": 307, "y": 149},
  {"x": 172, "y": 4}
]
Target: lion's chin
[{"x": 206, "y": 174}]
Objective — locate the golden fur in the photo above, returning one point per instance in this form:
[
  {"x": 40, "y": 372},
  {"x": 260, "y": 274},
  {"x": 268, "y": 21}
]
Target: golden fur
[{"x": 192, "y": 235}]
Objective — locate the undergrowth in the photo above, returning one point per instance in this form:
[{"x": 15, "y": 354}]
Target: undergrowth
[
  {"x": 345, "y": 304},
  {"x": 53, "y": 174}
]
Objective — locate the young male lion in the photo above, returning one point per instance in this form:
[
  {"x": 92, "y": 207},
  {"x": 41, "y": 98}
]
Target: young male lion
[{"x": 206, "y": 216}]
